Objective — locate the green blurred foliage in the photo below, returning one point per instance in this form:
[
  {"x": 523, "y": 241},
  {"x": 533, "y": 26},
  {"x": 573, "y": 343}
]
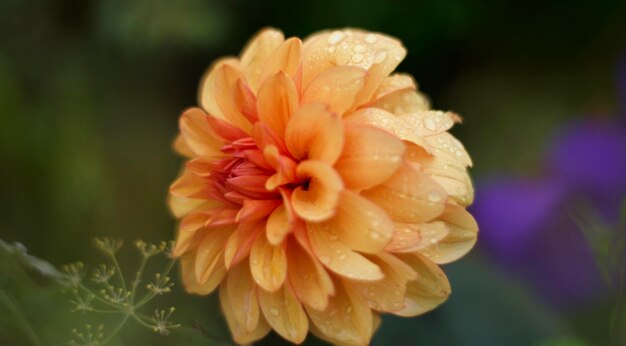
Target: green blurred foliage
[{"x": 90, "y": 92}]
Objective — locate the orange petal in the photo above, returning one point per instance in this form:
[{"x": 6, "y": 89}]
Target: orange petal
[
  {"x": 409, "y": 196},
  {"x": 337, "y": 87},
  {"x": 360, "y": 224},
  {"x": 277, "y": 100},
  {"x": 338, "y": 257},
  {"x": 238, "y": 330},
  {"x": 188, "y": 185},
  {"x": 245, "y": 100},
  {"x": 268, "y": 264},
  {"x": 181, "y": 147},
  {"x": 415, "y": 237},
  {"x": 387, "y": 294},
  {"x": 318, "y": 202},
  {"x": 309, "y": 279},
  {"x": 402, "y": 101},
  {"x": 313, "y": 132},
  {"x": 223, "y": 130},
  {"x": 285, "y": 58},
  {"x": 279, "y": 224},
  {"x": 256, "y": 209},
  {"x": 394, "y": 83},
  {"x": 370, "y": 156},
  {"x": 207, "y": 93},
  {"x": 265, "y": 136},
  {"x": 347, "y": 320},
  {"x": 188, "y": 273},
  {"x": 226, "y": 92},
  {"x": 240, "y": 242},
  {"x": 242, "y": 295},
  {"x": 257, "y": 52},
  {"x": 187, "y": 230},
  {"x": 461, "y": 237},
  {"x": 376, "y": 53},
  {"x": 429, "y": 290},
  {"x": 285, "y": 314},
  {"x": 196, "y": 131},
  {"x": 210, "y": 252},
  {"x": 181, "y": 206}
]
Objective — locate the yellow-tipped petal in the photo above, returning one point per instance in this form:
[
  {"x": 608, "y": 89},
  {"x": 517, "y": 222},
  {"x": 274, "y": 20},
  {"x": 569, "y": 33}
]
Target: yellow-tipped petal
[
  {"x": 286, "y": 58},
  {"x": 242, "y": 295},
  {"x": 210, "y": 252},
  {"x": 338, "y": 257},
  {"x": 268, "y": 264},
  {"x": 415, "y": 237},
  {"x": 188, "y": 273},
  {"x": 347, "y": 320},
  {"x": 195, "y": 129},
  {"x": 429, "y": 290},
  {"x": 278, "y": 225},
  {"x": 318, "y": 202},
  {"x": 361, "y": 224},
  {"x": 284, "y": 312},
  {"x": 376, "y": 53},
  {"x": 315, "y": 133},
  {"x": 309, "y": 279},
  {"x": 370, "y": 156},
  {"x": 387, "y": 294},
  {"x": 337, "y": 87},
  {"x": 276, "y": 101},
  {"x": 240, "y": 334},
  {"x": 409, "y": 196},
  {"x": 460, "y": 238},
  {"x": 207, "y": 93},
  {"x": 257, "y": 52}
]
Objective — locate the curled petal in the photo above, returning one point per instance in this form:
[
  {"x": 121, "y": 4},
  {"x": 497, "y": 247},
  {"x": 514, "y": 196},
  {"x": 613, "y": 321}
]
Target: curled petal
[
  {"x": 460, "y": 238},
  {"x": 181, "y": 147},
  {"x": 284, "y": 312},
  {"x": 257, "y": 52},
  {"x": 338, "y": 257},
  {"x": 279, "y": 224},
  {"x": 315, "y": 133},
  {"x": 370, "y": 156},
  {"x": 402, "y": 101},
  {"x": 277, "y": 100},
  {"x": 360, "y": 224},
  {"x": 337, "y": 87},
  {"x": 409, "y": 196},
  {"x": 347, "y": 320},
  {"x": 240, "y": 333},
  {"x": 268, "y": 264},
  {"x": 429, "y": 290},
  {"x": 309, "y": 279},
  {"x": 318, "y": 202}
]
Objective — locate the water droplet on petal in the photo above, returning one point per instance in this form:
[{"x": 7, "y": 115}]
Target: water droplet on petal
[
  {"x": 370, "y": 38},
  {"x": 434, "y": 196},
  {"x": 380, "y": 57},
  {"x": 336, "y": 37},
  {"x": 357, "y": 58}
]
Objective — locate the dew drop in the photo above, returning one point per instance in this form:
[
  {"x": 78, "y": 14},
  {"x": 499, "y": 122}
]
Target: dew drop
[
  {"x": 430, "y": 124},
  {"x": 336, "y": 37},
  {"x": 357, "y": 58},
  {"x": 380, "y": 57},
  {"x": 434, "y": 196},
  {"x": 274, "y": 311},
  {"x": 374, "y": 235},
  {"x": 342, "y": 257},
  {"x": 359, "y": 48},
  {"x": 370, "y": 38}
]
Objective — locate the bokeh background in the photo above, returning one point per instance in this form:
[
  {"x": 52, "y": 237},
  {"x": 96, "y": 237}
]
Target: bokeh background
[{"x": 90, "y": 93}]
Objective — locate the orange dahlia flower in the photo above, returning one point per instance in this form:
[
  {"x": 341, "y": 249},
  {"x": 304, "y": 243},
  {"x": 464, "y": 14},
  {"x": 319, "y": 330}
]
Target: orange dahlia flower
[{"x": 320, "y": 190}]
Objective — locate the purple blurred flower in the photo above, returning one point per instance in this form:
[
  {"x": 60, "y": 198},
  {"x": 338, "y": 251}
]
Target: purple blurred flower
[{"x": 526, "y": 224}]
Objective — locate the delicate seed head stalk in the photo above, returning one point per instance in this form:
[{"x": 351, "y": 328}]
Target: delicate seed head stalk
[{"x": 108, "y": 246}]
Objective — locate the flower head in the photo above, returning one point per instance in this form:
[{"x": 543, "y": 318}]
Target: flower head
[{"x": 320, "y": 189}]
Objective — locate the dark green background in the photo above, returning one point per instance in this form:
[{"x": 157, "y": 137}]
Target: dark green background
[{"x": 90, "y": 92}]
